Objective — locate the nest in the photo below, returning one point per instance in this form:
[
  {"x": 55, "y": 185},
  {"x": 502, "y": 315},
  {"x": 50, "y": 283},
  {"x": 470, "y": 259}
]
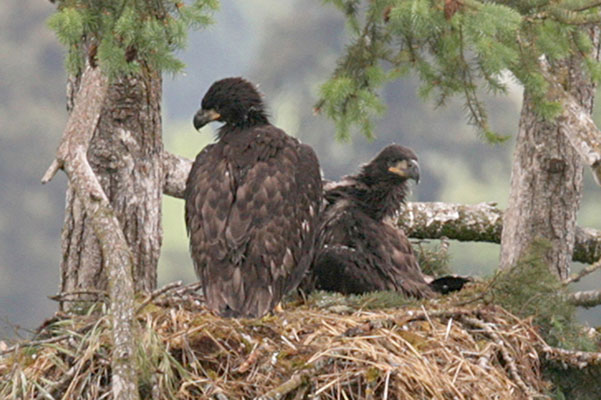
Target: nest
[{"x": 324, "y": 348}]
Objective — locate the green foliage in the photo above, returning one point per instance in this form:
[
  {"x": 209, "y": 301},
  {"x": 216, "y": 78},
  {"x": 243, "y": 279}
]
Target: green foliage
[
  {"x": 572, "y": 383},
  {"x": 529, "y": 289},
  {"x": 128, "y": 34},
  {"x": 351, "y": 103},
  {"x": 433, "y": 259},
  {"x": 456, "y": 48},
  {"x": 340, "y": 303}
]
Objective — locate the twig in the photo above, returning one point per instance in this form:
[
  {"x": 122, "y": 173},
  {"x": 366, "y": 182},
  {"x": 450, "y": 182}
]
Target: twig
[
  {"x": 296, "y": 381},
  {"x": 251, "y": 359},
  {"x": 583, "y": 272},
  {"x": 90, "y": 292},
  {"x": 35, "y": 343},
  {"x": 158, "y": 292},
  {"x": 287, "y": 387},
  {"x": 51, "y": 171},
  {"x": 513, "y": 370},
  {"x": 191, "y": 287}
]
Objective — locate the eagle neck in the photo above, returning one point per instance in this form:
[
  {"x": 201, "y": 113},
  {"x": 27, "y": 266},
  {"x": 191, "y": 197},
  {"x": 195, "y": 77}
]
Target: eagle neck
[
  {"x": 381, "y": 200},
  {"x": 241, "y": 127}
]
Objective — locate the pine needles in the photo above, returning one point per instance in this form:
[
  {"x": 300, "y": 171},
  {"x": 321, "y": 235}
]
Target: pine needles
[
  {"x": 126, "y": 35},
  {"x": 456, "y": 49}
]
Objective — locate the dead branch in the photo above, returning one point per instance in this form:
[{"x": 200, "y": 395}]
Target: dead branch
[
  {"x": 577, "y": 359},
  {"x": 176, "y": 173},
  {"x": 589, "y": 269},
  {"x": 64, "y": 296},
  {"x": 71, "y": 156},
  {"x": 509, "y": 360},
  {"x": 481, "y": 222},
  {"x": 35, "y": 343},
  {"x": 285, "y": 388},
  {"x": 295, "y": 381},
  {"x": 585, "y": 298},
  {"x": 159, "y": 292}
]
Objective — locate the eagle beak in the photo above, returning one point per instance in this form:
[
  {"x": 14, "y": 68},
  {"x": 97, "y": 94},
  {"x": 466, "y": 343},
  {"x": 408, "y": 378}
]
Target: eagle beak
[
  {"x": 407, "y": 169},
  {"x": 203, "y": 117}
]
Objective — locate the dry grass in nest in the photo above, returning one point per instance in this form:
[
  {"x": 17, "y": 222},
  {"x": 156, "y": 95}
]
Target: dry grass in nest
[{"x": 308, "y": 350}]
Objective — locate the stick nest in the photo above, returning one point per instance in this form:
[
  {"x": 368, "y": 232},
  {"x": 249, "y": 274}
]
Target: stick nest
[{"x": 321, "y": 348}]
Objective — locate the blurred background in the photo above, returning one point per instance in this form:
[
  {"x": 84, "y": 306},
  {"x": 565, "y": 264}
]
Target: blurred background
[{"x": 288, "y": 47}]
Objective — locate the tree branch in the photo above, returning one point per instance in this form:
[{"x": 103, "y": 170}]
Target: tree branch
[
  {"x": 576, "y": 123},
  {"x": 583, "y": 272},
  {"x": 117, "y": 258},
  {"x": 176, "y": 173},
  {"x": 585, "y": 298},
  {"x": 480, "y": 222},
  {"x": 576, "y": 359}
]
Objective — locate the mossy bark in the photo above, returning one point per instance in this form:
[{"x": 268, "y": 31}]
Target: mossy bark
[{"x": 478, "y": 223}]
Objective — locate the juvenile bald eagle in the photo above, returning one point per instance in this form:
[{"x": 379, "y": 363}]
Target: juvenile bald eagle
[
  {"x": 359, "y": 250},
  {"x": 252, "y": 204}
]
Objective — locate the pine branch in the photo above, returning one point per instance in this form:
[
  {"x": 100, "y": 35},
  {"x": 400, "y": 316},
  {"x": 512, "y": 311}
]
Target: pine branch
[
  {"x": 582, "y": 5},
  {"x": 572, "y": 17}
]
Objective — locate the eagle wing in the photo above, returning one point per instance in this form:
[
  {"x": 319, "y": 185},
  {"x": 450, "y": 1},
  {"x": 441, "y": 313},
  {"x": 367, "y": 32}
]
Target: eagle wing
[
  {"x": 401, "y": 264},
  {"x": 256, "y": 223},
  {"x": 359, "y": 255}
]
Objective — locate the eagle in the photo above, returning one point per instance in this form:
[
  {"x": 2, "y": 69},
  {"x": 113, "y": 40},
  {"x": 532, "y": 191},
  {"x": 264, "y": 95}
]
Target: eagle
[
  {"x": 359, "y": 249},
  {"x": 252, "y": 204}
]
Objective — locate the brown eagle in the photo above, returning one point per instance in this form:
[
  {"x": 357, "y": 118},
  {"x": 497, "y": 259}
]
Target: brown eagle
[
  {"x": 359, "y": 250},
  {"x": 252, "y": 204}
]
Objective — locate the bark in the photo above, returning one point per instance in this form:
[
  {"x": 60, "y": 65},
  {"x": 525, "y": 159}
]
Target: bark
[
  {"x": 586, "y": 138},
  {"x": 479, "y": 223},
  {"x": 125, "y": 155},
  {"x": 176, "y": 170},
  {"x": 586, "y": 298},
  {"x": 546, "y": 176},
  {"x": 117, "y": 260},
  {"x": 575, "y": 359}
]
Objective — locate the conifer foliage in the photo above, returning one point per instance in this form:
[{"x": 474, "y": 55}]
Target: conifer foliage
[
  {"x": 455, "y": 48},
  {"x": 125, "y": 31}
]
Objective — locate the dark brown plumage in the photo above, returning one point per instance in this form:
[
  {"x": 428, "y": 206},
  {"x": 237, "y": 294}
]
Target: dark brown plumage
[
  {"x": 359, "y": 250},
  {"x": 252, "y": 205}
]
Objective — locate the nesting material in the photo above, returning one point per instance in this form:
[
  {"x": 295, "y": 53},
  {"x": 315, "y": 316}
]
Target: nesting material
[{"x": 311, "y": 350}]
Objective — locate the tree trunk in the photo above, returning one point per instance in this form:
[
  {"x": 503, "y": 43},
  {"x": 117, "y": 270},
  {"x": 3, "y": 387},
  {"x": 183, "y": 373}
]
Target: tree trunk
[
  {"x": 125, "y": 154},
  {"x": 546, "y": 179}
]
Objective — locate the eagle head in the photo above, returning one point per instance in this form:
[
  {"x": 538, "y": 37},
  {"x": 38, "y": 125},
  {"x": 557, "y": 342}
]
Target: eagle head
[
  {"x": 395, "y": 164},
  {"x": 234, "y": 101}
]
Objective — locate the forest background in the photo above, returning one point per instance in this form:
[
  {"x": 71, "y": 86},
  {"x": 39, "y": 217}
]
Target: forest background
[{"x": 290, "y": 48}]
